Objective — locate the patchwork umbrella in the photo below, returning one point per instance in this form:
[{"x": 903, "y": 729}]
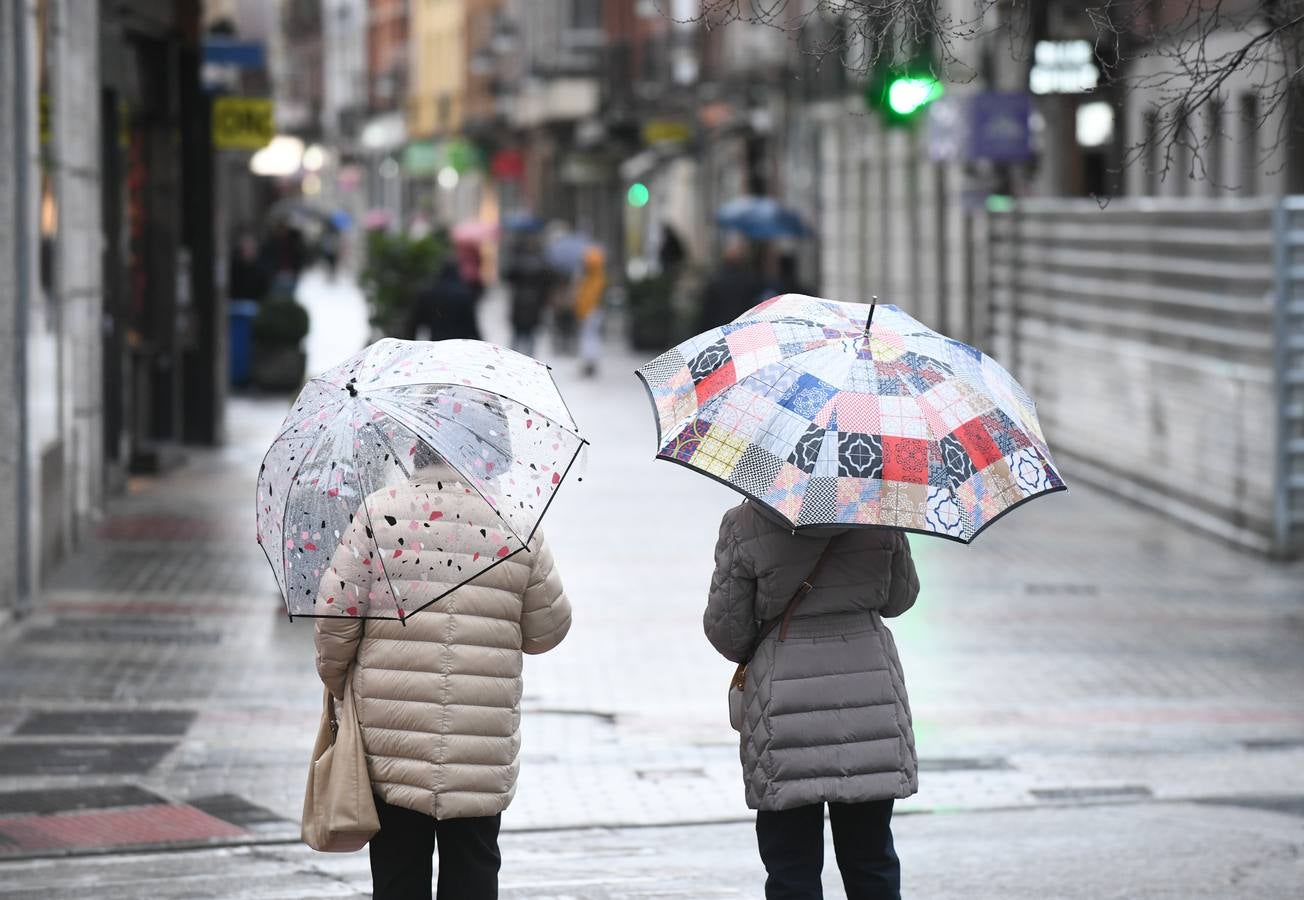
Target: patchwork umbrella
[
  {"x": 836, "y": 413},
  {"x": 495, "y": 417}
]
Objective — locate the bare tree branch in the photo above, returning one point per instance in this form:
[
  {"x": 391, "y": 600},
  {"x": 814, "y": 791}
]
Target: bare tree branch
[{"x": 1181, "y": 58}]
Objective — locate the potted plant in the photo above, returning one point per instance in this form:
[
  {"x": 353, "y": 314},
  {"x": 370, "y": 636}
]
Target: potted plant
[
  {"x": 279, "y": 328},
  {"x": 397, "y": 267},
  {"x": 653, "y": 318}
]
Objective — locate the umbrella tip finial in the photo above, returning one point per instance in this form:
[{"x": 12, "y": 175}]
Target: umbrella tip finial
[
  {"x": 872, "y": 303},
  {"x": 353, "y": 391}
]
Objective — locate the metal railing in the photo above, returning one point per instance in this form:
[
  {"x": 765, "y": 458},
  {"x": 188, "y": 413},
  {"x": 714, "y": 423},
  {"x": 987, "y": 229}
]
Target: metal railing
[
  {"x": 1164, "y": 341},
  {"x": 1289, "y": 227}
]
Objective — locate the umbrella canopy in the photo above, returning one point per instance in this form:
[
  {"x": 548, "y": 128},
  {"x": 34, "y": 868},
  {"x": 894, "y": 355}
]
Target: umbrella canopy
[
  {"x": 760, "y": 219},
  {"x": 845, "y": 414},
  {"x": 522, "y": 221},
  {"x": 492, "y": 415},
  {"x": 376, "y": 218},
  {"x": 474, "y": 231},
  {"x": 565, "y": 253}
]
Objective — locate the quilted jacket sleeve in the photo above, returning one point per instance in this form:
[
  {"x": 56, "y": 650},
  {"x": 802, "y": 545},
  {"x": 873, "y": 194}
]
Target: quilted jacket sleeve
[
  {"x": 905, "y": 580},
  {"x": 730, "y": 618},
  {"x": 346, "y": 583},
  {"x": 545, "y": 610}
]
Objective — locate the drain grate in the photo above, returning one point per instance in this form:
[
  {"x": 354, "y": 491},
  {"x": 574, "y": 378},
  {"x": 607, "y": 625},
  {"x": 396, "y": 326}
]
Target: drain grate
[
  {"x": 1274, "y": 744},
  {"x": 107, "y": 722},
  {"x": 44, "y": 758},
  {"x": 1290, "y": 805},
  {"x": 121, "y": 630},
  {"x": 1089, "y": 794},
  {"x": 1069, "y": 590},
  {"x": 963, "y": 764},
  {"x": 236, "y": 810},
  {"x": 670, "y": 774},
  {"x": 21, "y": 803}
]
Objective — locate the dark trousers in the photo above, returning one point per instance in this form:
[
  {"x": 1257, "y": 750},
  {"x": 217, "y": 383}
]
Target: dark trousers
[
  {"x": 401, "y": 856},
  {"x": 792, "y": 847}
]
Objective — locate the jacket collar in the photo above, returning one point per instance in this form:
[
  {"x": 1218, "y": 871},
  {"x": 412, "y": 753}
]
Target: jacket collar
[{"x": 771, "y": 516}]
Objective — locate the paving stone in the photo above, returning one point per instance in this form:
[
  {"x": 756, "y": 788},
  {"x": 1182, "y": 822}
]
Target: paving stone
[
  {"x": 50, "y": 800},
  {"x": 106, "y": 722},
  {"x": 80, "y": 758},
  {"x": 1080, "y": 645}
]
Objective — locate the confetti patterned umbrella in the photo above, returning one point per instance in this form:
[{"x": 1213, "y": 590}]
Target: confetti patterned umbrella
[
  {"x": 836, "y": 413},
  {"x": 493, "y": 416}
]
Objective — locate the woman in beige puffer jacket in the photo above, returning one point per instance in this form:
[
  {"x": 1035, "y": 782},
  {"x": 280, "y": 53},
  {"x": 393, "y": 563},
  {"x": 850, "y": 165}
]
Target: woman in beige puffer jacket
[{"x": 438, "y": 695}]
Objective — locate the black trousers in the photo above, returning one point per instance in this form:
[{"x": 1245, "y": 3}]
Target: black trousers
[
  {"x": 401, "y": 852},
  {"x": 792, "y": 847}
]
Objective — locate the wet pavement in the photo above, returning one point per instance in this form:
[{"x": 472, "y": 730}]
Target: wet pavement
[{"x": 1105, "y": 704}]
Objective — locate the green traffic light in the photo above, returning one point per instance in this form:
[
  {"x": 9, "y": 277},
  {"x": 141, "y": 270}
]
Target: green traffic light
[
  {"x": 910, "y": 93},
  {"x": 638, "y": 195}
]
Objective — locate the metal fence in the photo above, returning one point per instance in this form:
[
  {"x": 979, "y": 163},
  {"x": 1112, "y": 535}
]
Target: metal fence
[
  {"x": 1289, "y": 227},
  {"x": 1164, "y": 343}
]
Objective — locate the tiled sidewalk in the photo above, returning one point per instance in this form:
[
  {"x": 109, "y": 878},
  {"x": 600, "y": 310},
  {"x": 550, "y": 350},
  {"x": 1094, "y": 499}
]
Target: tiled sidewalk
[{"x": 1082, "y": 651}]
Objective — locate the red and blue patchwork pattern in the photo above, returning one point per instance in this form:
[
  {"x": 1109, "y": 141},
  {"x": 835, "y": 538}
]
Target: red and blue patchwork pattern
[{"x": 801, "y": 406}]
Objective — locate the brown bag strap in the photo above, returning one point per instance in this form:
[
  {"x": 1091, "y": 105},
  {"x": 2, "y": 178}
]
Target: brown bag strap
[
  {"x": 806, "y": 587},
  {"x": 785, "y": 619}
]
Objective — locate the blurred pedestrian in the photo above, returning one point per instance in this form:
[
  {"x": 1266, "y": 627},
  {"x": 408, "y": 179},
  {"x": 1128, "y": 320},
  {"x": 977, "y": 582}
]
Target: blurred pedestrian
[
  {"x": 565, "y": 322},
  {"x": 438, "y": 694},
  {"x": 785, "y": 278},
  {"x": 445, "y": 309},
  {"x": 671, "y": 254},
  {"x": 588, "y": 308},
  {"x": 329, "y": 246},
  {"x": 530, "y": 282},
  {"x": 284, "y": 255},
  {"x": 246, "y": 277},
  {"x": 731, "y": 290},
  {"x": 469, "y": 263},
  {"x": 824, "y": 716}
]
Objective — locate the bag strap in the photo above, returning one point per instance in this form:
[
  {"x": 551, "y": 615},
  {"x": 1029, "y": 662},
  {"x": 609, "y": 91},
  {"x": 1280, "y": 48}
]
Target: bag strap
[{"x": 783, "y": 620}]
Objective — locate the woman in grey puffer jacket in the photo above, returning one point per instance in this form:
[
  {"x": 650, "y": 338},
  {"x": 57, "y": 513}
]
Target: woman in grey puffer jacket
[{"x": 825, "y": 714}]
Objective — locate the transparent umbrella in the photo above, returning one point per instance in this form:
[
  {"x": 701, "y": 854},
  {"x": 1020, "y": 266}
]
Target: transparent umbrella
[{"x": 492, "y": 416}]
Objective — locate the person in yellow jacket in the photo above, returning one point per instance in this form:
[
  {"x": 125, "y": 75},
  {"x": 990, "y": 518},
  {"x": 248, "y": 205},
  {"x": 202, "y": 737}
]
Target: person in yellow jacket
[{"x": 588, "y": 308}]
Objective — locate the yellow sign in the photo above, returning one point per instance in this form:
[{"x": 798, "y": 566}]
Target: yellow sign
[
  {"x": 667, "y": 131},
  {"x": 242, "y": 123}
]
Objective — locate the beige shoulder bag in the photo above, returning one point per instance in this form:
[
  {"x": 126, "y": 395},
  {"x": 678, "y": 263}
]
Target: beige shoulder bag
[{"x": 339, "y": 812}]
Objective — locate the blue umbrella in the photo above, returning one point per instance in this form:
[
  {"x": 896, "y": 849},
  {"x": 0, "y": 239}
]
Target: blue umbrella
[
  {"x": 760, "y": 219},
  {"x": 567, "y": 252},
  {"x": 522, "y": 221},
  {"x": 341, "y": 220}
]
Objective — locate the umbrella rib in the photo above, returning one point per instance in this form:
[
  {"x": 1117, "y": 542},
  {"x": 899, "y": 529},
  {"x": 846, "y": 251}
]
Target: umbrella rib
[
  {"x": 678, "y": 425},
  {"x": 400, "y": 418},
  {"x": 572, "y": 428},
  {"x": 398, "y": 413},
  {"x": 285, "y": 429},
  {"x": 553, "y": 496},
  {"x": 380, "y": 557},
  {"x": 285, "y": 507}
]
